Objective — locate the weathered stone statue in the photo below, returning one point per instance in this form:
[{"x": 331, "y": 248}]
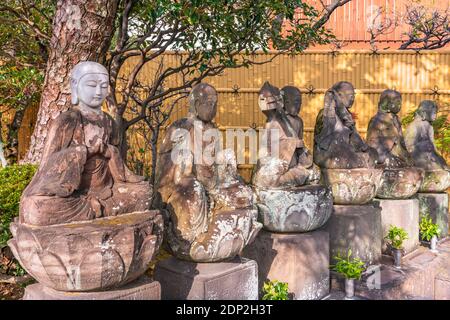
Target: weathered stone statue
[
  {"x": 400, "y": 178},
  {"x": 347, "y": 162},
  {"x": 419, "y": 139},
  {"x": 84, "y": 222},
  {"x": 286, "y": 180},
  {"x": 210, "y": 211}
]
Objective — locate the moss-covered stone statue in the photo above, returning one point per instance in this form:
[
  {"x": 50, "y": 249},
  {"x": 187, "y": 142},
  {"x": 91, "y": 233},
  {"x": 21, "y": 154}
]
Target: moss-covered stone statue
[
  {"x": 346, "y": 160},
  {"x": 210, "y": 214},
  {"x": 401, "y": 179},
  {"x": 419, "y": 138},
  {"x": 286, "y": 181}
]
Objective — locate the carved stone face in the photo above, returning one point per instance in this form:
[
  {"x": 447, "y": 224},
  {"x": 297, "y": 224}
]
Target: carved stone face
[
  {"x": 292, "y": 100},
  {"x": 345, "y": 93},
  {"x": 270, "y": 98},
  {"x": 89, "y": 84},
  {"x": 203, "y": 99},
  {"x": 390, "y": 101},
  {"x": 92, "y": 89},
  {"x": 427, "y": 110}
]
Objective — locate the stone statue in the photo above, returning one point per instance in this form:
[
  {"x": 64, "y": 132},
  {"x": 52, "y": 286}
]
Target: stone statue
[
  {"x": 286, "y": 181},
  {"x": 400, "y": 178},
  {"x": 69, "y": 213},
  {"x": 210, "y": 211},
  {"x": 347, "y": 162},
  {"x": 419, "y": 139}
]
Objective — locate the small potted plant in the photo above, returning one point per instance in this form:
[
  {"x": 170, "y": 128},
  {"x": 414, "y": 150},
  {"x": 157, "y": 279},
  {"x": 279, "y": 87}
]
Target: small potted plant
[
  {"x": 275, "y": 290},
  {"x": 395, "y": 237},
  {"x": 351, "y": 269},
  {"x": 429, "y": 231}
]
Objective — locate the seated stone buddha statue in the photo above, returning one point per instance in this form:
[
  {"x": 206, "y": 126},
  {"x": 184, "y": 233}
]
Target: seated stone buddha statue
[
  {"x": 346, "y": 160},
  {"x": 286, "y": 181},
  {"x": 82, "y": 175},
  {"x": 419, "y": 138},
  {"x": 400, "y": 178},
  {"x": 337, "y": 143},
  {"x": 210, "y": 214},
  {"x": 85, "y": 222}
]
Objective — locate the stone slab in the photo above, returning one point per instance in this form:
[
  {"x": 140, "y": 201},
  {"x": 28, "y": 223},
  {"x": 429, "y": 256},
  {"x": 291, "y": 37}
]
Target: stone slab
[
  {"x": 404, "y": 214},
  {"x": 183, "y": 280},
  {"x": 142, "y": 289},
  {"x": 355, "y": 227},
  {"x": 300, "y": 259},
  {"x": 436, "y": 205},
  {"x": 442, "y": 285}
]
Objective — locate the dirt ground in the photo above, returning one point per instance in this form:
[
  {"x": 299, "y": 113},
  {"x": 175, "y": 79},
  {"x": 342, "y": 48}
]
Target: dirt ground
[{"x": 9, "y": 291}]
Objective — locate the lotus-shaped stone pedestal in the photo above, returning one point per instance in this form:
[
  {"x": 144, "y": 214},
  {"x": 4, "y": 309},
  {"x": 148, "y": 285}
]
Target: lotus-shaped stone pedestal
[
  {"x": 297, "y": 209},
  {"x": 353, "y": 186},
  {"x": 400, "y": 183},
  {"x": 435, "y": 181},
  {"x": 88, "y": 255}
]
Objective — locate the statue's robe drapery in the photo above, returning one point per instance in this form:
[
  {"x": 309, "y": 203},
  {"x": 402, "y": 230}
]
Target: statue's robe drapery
[
  {"x": 384, "y": 134},
  {"x": 73, "y": 185},
  {"x": 419, "y": 139}
]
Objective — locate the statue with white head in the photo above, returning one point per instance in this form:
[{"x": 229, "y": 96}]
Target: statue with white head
[{"x": 84, "y": 220}]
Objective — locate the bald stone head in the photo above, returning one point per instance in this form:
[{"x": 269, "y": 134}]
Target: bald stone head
[
  {"x": 345, "y": 92},
  {"x": 292, "y": 100},
  {"x": 427, "y": 110},
  {"x": 203, "y": 102},
  {"x": 89, "y": 83},
  {"x": 390, "y": 101}
]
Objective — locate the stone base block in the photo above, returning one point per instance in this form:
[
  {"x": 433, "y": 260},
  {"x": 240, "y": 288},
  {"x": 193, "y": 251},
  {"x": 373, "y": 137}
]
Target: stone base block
[
  {"x": 183, "y": 280},
  {"x": 301, "y": 260},
  {"x": 436, "y": 205},
  {"x": 355, "y": 227},
  {"x": 404, "y": 214},
  {"x": 141, "y": 289}
]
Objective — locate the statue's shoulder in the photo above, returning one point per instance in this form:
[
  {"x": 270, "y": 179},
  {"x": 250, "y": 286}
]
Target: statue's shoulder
[
  {"x": 183, "y": 123},
  {"x": 71, "y": 116}
]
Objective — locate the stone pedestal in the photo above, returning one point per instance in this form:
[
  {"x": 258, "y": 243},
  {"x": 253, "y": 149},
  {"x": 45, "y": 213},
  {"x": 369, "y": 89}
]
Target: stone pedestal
[
  {"x": 436, "y": 205},
  {"x": 404, "y": 214},
  {"x": 355, "y": 227},
  {"x": 300, "y": 259},
  {"x": 183, "y": 280},
  {"x": 141, "y": 289}
]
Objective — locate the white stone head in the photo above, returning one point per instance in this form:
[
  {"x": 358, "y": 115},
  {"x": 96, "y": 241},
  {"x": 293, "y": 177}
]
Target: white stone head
[{"x": 89, "y": 84}]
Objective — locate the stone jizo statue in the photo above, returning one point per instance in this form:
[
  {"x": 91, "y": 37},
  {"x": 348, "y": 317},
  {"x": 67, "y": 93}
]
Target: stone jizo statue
[
  {"x": 400, "y": 178},
  {"x": 293, "y": 158},
  {"x": 82, "y": 175},
  {"x": 419, "y": 137},
  {"x": 84, "y": 220},
  {"x": 210, "y": 211},
  {"x": 346, "y": 160},
  {"x": 385, "y": 132},
  {"x": 286, "y": 181},
  {"x": 337, "y": 143}
]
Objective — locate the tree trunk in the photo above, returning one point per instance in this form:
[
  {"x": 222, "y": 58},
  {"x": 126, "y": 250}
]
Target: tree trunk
[{"x": 82, "y": 30}]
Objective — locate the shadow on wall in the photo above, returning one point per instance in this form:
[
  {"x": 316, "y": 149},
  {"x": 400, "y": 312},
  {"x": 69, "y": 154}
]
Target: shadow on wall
[{"x": 416, "y": 76}]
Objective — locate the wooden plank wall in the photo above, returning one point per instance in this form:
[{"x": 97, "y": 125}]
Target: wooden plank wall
[{"x": 416, "y": 76}]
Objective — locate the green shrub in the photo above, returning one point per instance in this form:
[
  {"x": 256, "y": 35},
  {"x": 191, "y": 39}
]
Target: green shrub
[
  {"x": 396, "y": 236},
  {"x": 428, "y": 229},
  {"x": 275, "y": 290},
  {"x": 350, "y": 268},
  {"x": 13, "y": 180}
]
